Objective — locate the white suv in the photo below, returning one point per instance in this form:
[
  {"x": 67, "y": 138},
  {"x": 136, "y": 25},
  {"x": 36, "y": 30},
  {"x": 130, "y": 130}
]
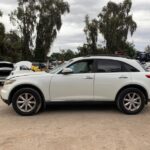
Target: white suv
[{"x": 94, "y": 78}]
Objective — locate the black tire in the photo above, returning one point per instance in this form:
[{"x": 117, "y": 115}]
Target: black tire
[
  {"x": 122, "y": 101},
  {"x": 37, "y": 101}
]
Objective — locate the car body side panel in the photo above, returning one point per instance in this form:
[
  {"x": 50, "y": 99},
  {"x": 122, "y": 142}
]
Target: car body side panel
[
  {"x": 71, "y": 87},
  {"x": 107, "y": 85},
  {"x": 141, "y": 79},
  {"x": 41, "y": 82}
]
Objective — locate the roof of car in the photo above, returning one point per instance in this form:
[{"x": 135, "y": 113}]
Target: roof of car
[{"x": 104, "y": 57}]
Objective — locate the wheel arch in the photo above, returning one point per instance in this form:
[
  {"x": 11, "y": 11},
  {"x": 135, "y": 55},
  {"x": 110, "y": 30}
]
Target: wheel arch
[
  {"x": 134, "y": 86},
  {"x": 27, "y": 86}
]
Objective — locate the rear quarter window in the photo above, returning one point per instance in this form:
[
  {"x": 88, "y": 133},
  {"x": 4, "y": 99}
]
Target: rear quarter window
[{"x": 129, "y": 68}]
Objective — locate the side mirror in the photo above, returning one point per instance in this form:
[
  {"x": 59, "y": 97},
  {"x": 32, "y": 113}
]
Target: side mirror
[{"x": 67, "y": 71}]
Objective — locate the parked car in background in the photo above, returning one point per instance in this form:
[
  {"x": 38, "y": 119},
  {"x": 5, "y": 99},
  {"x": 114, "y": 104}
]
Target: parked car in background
[
  {"x": 5, "y": 70},
  {"x": 147, "y": 66},
  {"x": 21, "y": 67},
  {"x": 38, "y": 67},
  {"x": 95, "y": 78}
]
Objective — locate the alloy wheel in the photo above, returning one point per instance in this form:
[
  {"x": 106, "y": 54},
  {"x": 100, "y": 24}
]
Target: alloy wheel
[
  {"x": 26, "y": 102},
  {"x": 132, "y": 101}
]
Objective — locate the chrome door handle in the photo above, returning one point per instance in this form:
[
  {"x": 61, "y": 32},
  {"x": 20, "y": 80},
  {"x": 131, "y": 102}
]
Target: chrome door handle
[
  {"x": 88, "y": 77},
  {"x": 123, "y": 77}
]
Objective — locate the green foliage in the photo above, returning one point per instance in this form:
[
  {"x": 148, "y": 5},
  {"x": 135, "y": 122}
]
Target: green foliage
[
  {"x": 129, "y": 49},
  {"x": 64, "y": 55},
  {"x": 25, "y": 18},
  {"x": 91, "y": 32},
  {"x": 1, "y": 14},
  {"x": 12, "y": 47},
  {"x": 2, "y": 36},
  {"x": 50, "y": 22},
  {"x": 115, "y": 22},
  {"x": 85, "y": 50}
]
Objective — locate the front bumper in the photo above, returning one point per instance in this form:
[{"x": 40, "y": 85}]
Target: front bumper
[
  {"x": 5, "y": 96},
  {"x": 6, "y": 101}
]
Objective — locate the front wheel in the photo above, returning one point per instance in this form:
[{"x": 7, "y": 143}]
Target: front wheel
[
  {"x": 131, "y": 101},
  {"x": 26, "y": 101}
]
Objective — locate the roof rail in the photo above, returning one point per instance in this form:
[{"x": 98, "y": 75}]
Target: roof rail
[{"x": 111, "y": 55}]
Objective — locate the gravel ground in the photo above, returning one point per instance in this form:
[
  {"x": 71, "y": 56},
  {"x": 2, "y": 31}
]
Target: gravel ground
[{"x": 75, "y": 127}]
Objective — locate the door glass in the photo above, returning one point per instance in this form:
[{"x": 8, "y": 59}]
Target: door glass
[
  {"x": 108, "y": 66},
  {"x": 85, "y": 66}
]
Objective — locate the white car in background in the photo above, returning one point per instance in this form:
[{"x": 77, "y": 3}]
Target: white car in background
[
  {"x": 21, "y": 67},
  {"x": 96, "y": 78}
]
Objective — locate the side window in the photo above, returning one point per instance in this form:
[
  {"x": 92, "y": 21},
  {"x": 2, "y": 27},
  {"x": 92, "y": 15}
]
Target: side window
[
  {"x": 108, "y": 66},
  {"x": 85, "y": 66},
  {"x": 129, "y": 68}
]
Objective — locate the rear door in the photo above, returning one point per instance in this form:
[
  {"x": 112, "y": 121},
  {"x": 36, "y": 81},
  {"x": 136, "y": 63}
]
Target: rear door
[{"x": 110, "y": 76}]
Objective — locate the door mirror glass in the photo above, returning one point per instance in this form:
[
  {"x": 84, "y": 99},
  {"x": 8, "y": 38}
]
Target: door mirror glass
[{"x": 67, "y": 71}]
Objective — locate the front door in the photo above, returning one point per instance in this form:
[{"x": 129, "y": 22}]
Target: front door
[{"x": 77, "y": 86}]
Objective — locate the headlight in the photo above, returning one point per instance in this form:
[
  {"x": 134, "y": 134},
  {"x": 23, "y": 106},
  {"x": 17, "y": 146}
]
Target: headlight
[{"x": 9, "y": 82}]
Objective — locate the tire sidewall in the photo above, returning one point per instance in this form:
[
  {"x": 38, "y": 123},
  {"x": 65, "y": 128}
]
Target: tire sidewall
[
  {"x": 32, "y": 92},
  {"x": 123, "y": 94}
]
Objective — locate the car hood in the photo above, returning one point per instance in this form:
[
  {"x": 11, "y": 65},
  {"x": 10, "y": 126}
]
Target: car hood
[{"x": 22, "y": 74}]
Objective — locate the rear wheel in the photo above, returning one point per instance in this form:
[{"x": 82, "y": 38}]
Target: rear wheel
[
  {"x": 131, "y": 101},
  {"x": 26, "y": 101}
]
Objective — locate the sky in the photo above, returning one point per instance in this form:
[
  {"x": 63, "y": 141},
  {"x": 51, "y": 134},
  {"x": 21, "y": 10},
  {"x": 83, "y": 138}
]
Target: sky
[{"x": 71, "y": 34}]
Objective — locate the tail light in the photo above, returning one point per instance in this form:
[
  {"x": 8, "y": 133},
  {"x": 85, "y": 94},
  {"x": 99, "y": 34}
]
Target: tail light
[{"x": 148, "y": 75}]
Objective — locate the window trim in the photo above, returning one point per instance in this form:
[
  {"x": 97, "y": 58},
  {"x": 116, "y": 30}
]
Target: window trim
[{"x": 122, "y": 64}]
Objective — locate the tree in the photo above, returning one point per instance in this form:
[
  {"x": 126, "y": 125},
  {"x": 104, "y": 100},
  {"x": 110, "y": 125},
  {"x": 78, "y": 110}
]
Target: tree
[
  {"x": 69, "y": 54},
  {"x": 130, "y": 49},
  {"x": 84, "y": 50},
  {"x": 115, "y": 23},
  {"x": 50, "y": 22},
  {"x": 2, "y": 36},
  {"x": 25, "y": 18},
  {"x": 64, "y": 55},
  {"x": 1, "y": 14},
  {"x": 147, "y": 49},
  {"x": 91, "y": 32},
  {"x": 12, "y": 47}
]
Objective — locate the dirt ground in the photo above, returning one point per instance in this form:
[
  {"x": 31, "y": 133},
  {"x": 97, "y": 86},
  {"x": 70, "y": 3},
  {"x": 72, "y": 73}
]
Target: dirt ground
[{"x": 75, "y": 127}]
